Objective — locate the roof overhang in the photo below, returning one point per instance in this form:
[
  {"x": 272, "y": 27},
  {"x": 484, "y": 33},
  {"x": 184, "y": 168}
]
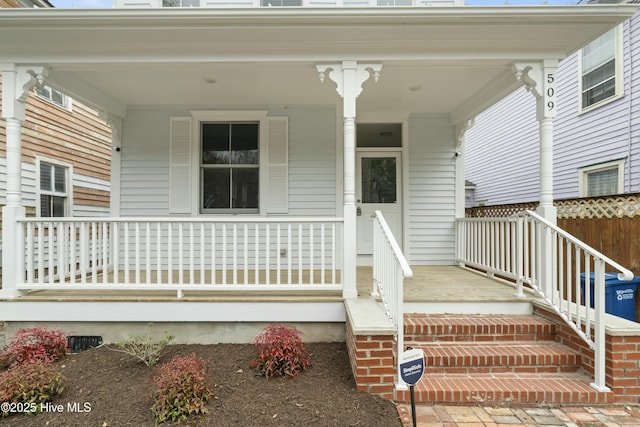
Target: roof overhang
[{"x": 114, "y": 58}]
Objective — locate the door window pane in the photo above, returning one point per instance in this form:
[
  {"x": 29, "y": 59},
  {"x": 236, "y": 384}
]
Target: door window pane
[{"x": 379, "y": 180}]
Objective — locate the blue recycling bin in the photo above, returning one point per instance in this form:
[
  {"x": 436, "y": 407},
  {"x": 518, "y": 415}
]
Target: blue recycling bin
[{"x": 619, "y": 295}]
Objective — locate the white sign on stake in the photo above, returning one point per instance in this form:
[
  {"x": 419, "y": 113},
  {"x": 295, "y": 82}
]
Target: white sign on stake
[{"x": 412, "y": 366}]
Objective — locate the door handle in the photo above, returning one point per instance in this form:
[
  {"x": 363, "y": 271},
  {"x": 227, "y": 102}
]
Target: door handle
[{"x": 359, "y": 211}]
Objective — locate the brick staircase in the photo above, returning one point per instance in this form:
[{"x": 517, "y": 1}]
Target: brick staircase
[{"x": 496, "y": 359}]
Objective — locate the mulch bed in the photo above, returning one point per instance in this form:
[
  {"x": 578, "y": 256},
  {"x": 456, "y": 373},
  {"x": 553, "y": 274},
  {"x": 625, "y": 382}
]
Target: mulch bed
[{"x": 115, "y": 388}]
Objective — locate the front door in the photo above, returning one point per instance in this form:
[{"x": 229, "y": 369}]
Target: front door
[{"x": 378, "y": 178}]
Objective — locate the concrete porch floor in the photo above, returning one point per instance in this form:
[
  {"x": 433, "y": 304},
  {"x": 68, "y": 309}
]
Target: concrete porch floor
[
  {"x": 440, "y": 285},
  {"x": 452, "y": 289}
]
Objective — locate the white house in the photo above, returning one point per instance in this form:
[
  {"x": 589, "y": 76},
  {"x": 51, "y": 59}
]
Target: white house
[{"x": 252, "y": 145}]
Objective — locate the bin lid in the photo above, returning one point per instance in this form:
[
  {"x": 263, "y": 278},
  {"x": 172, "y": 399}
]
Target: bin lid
[{"x": 611, "y": 278}]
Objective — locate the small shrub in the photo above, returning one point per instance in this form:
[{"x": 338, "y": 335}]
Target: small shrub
[
  {"x": 27, "y": 385},
  {"x": 144, "y": 348},
  {"x": 180, "y": 389},
  {"x": 41, "y": 343},
  {"x": 280, "y": 352}
]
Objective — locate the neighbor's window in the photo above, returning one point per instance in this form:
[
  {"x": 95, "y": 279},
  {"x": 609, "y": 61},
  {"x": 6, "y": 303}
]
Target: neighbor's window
[
  {"x": 600, "y": 69},
  {"x": 602, "y": 180},
  {"x": 180, "y": 3},
  {"x": 54, "y": 198},
  {"x": 268, "y": 3},
  {"x": 230, "y": 166},
  {"x": 54, "y": 96}
]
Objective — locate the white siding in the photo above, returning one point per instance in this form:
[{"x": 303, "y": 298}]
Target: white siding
[
  {"x": 431, "y": 191},
  {"x": 502, "y": 149},
  {"x": 312, "y": 161},
  {"x": 144, "y": 180}
]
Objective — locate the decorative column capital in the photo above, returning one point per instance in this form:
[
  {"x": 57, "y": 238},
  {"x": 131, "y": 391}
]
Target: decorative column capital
[
  {"x": 539, "y": 78},
  {"x": 18, "y": 80},
  {"x": 349, "y": 77},
  {"x": 461, "y": 129}
]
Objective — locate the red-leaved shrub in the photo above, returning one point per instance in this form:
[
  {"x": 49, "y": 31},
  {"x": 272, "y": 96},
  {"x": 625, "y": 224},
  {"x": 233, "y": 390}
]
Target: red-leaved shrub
[
  {"x": 24, "y": 387},
  {"x": 41, "y": 343},
  {"x": 180, "y": 389},
  {"x": 280, "y": 352}
]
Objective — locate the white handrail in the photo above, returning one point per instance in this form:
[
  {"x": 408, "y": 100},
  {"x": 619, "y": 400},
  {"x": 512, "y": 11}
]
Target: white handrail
[
  {"x": 390, "y": 268},
  {"x": 265, "y": 253},
  {"x": 554, "y": 264}
]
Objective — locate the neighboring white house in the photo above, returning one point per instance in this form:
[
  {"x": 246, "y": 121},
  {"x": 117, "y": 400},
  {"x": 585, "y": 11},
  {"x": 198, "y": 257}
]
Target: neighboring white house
[
  {"x": 596, "y": 133},
  {"x": 252, "y": 139}
]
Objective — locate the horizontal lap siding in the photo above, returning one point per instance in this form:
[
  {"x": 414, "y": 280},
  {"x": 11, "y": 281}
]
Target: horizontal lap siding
[
  {"x": 633, "y": 61},
  {"x": 502, "y": 149},
  {"x": 77, "y": 137},
  {"x": 431, "y": 191},
  {"x": 501, "y": 153},
  {"x": 312, "y": 161},
  {"x": 144, "y": 179}
]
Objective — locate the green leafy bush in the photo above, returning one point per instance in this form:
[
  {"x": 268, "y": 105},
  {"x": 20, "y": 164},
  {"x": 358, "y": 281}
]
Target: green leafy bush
[
  {"x": 280, "y": 352},
  {"x": 180, "y": 389},
  {"x": 40, "y": 343},
  {"x": 144, "y": 348},
  {"x": 25, "y": 386}
]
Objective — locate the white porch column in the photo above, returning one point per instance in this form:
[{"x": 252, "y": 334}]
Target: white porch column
[
  {"x": 17, "y": 81},
  {"x": 349, "y": 77},
  {"x": 540, "y": 80}
]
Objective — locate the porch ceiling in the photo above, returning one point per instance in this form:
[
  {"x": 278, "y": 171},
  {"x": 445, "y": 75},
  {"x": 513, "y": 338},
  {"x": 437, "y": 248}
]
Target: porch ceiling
[{"x": 120, "y": 57}]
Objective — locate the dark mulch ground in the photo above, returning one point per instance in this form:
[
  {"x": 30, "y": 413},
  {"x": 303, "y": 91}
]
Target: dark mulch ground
[{"x": 115, "y": 387}]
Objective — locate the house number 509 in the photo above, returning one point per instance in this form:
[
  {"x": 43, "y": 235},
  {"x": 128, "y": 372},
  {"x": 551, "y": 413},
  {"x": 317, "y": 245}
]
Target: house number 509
[{"x": 550, "y": 92}]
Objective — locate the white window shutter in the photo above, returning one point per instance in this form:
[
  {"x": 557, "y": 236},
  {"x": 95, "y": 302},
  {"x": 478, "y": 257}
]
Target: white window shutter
[
  {"x": 180, "y": 191},
  {"x": 277, "y": 165}
]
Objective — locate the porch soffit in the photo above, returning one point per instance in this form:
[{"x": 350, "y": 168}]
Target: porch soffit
[{"x": 117, "y": 57}]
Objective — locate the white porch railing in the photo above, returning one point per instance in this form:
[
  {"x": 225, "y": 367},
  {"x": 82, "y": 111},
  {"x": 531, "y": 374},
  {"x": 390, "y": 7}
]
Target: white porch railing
[
  {"x": 182, "y": 254},
  {"x": 390, "y": 268},
  {"x": 558, "y": 267}
]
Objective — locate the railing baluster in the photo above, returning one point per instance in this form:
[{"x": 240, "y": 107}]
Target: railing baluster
[
  {"x": 550, "y": 261},
  {"x": 245, "y": 246},
  {"x": 97, "y": 252}
]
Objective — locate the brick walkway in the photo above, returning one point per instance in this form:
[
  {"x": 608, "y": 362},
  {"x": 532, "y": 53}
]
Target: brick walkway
[{"x": 474, "y": 416}]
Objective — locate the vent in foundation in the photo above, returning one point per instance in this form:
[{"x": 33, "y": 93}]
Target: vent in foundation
[{"x": 82, "y": 343}]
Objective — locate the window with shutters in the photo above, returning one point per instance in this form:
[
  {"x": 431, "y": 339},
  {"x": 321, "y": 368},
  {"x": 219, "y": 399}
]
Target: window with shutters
[
  {"x": 228, "y": 162},
  {"x": 603, "y": 179},
  {"x": 54, "y": 188},
  {"x": 601, "y": 70}
]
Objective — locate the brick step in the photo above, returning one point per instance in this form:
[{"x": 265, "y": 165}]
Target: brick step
[
  {"x": 506, "y": 389},
  {"x": 464, "y": 327},
  {"x": 475, "y": 357}
]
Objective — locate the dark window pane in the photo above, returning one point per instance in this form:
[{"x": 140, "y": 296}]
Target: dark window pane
[
  {"x": 215, "y": 143},
  {"x": 58, "y": 206},
  {"x": 45, "y": 206},
  {"x": 245, "y": 188},
  {"x": 60, "y": 177},
  {"x": 244, "y": 143},
  {"x": 379, "y": 180},
  {"x": 45, "y": 177},
  {"x": 599, "y": 84},
  {"x": 215, "y": 188}
]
